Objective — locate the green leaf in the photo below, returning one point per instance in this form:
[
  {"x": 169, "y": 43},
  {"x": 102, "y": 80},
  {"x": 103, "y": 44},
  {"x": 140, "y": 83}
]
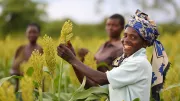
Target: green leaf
[
  {"x": 7, "y": 78},
  {"x": 93, "y": 90},
  {"x": 30, "y": 71},
  {"x": 79, "y": 89},
  {"x": 82, "y": 85},
  {"x": 60, "y": 79},
  {"x": 171, "y": 86},
  {"x": 137, "y": 99},
  {"x": 93, "y": 97},
  {"x": 35, "y": 84},
  {"x": 45, "y": 99},
  {"x": 54, "y": 97},
  {"x": 65, "y": 96},
  {"x": 56, "y": 81},
  {"x": 50, "y": 96}
]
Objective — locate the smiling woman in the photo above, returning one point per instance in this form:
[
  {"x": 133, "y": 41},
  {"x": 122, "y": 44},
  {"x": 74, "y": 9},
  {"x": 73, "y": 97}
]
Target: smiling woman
[
  {"x": 132, "y": 42},
  {"x": 132, "y": 77}
]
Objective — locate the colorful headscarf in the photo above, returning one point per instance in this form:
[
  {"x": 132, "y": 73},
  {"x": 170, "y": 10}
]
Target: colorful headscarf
[{"x": 147, "y": 29}]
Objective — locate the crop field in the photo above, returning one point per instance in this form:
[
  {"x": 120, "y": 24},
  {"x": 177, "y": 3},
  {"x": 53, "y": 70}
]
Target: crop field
[{"x": 49, "y": 78}]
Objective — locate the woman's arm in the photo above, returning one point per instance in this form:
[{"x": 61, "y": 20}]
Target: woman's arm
[
  {"x": 96, "y": 76},
  {"x": 80, "y": 76},
  {"x": 89, "y": 83}
]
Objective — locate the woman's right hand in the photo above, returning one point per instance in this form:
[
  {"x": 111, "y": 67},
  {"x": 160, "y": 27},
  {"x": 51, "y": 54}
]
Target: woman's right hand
[
  {"x": 69, "y": 45},
  {"x": 64, "y": 52}
]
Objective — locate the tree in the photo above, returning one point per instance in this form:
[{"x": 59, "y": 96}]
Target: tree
[{"x": 16, "y": 14}]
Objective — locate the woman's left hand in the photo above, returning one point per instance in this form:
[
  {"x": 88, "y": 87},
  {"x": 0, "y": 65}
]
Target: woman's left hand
[{"x": 64, "y": 52}]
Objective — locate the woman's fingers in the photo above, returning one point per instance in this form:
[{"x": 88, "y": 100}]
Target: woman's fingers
[
  {"x": 59, "y": 50},
  {"x": 64, "y": 52},
  {"x": 62, "y": 49},
  {"x": 69, "y": 44},
  {"x": 67, "y": 47}
]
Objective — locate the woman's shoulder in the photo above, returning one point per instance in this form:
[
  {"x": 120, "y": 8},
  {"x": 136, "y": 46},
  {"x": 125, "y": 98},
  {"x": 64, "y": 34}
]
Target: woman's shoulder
[
  {"x": 137, "y": 59},
  {"x": 141, "y": 61}
]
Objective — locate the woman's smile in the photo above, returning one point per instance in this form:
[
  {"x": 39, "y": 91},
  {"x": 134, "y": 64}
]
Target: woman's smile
[{"x": 127, "y": 47}]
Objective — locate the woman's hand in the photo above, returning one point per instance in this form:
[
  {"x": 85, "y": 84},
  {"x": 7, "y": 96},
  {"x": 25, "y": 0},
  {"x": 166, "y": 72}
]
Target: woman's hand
[
  {"x": 64, "y": 52},
  {"x": 69, "y": 45}
]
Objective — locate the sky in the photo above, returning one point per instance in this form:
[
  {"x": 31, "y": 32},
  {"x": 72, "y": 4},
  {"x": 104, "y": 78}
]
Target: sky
[{"x": 84, "y": 11}]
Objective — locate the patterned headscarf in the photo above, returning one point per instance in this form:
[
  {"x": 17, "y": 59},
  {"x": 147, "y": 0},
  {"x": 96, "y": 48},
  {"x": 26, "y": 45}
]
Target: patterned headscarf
[{"x": 147, "y": 29}]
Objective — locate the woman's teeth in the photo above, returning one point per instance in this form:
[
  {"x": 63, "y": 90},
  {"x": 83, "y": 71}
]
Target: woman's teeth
[{"x": 127, "y": 46}]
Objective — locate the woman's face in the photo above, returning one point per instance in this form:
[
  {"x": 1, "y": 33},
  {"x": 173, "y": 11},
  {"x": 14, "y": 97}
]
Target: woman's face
[
  {"x": 131, "y": 41},
  {"x": 32, "y": 33}
]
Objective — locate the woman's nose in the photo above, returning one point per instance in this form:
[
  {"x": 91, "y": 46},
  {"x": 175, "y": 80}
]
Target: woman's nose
[{"x": 125, "y": 40}]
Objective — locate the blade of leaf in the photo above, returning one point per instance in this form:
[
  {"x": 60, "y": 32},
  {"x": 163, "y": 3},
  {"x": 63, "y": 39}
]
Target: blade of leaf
[
  {"x": 65, "y": 96},
  {"x": 82, "y": 85},
  {"x": 79, "y": 89},
  {"x": 93, "y": 90},
  {"x": 93, "y": 97},
  {"x": 171, "y": 86},
  {"x": 137, "y": 99},
  {"x": 50, "y": 96},
  {"x": 7, "y": 78}
]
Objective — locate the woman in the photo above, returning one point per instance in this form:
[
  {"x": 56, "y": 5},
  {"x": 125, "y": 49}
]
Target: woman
[
  {"x": 23, "y": 53},
  {"x": 132, "y": 76}
]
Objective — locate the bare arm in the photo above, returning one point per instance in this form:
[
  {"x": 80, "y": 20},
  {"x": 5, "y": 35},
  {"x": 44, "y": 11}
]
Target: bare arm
[
  {"x": 80, "y": 76},
  {"x": 89, "y": 83},
  {"x": 96, "y": 76}
]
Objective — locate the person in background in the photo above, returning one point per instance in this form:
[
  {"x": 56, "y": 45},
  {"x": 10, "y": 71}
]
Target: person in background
[
  {"x": 112, "y": 48},
  {"x": 23, "y": 53}
]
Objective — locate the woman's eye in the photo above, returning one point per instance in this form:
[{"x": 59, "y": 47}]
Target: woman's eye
[{"x": 132, "y": 37}]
